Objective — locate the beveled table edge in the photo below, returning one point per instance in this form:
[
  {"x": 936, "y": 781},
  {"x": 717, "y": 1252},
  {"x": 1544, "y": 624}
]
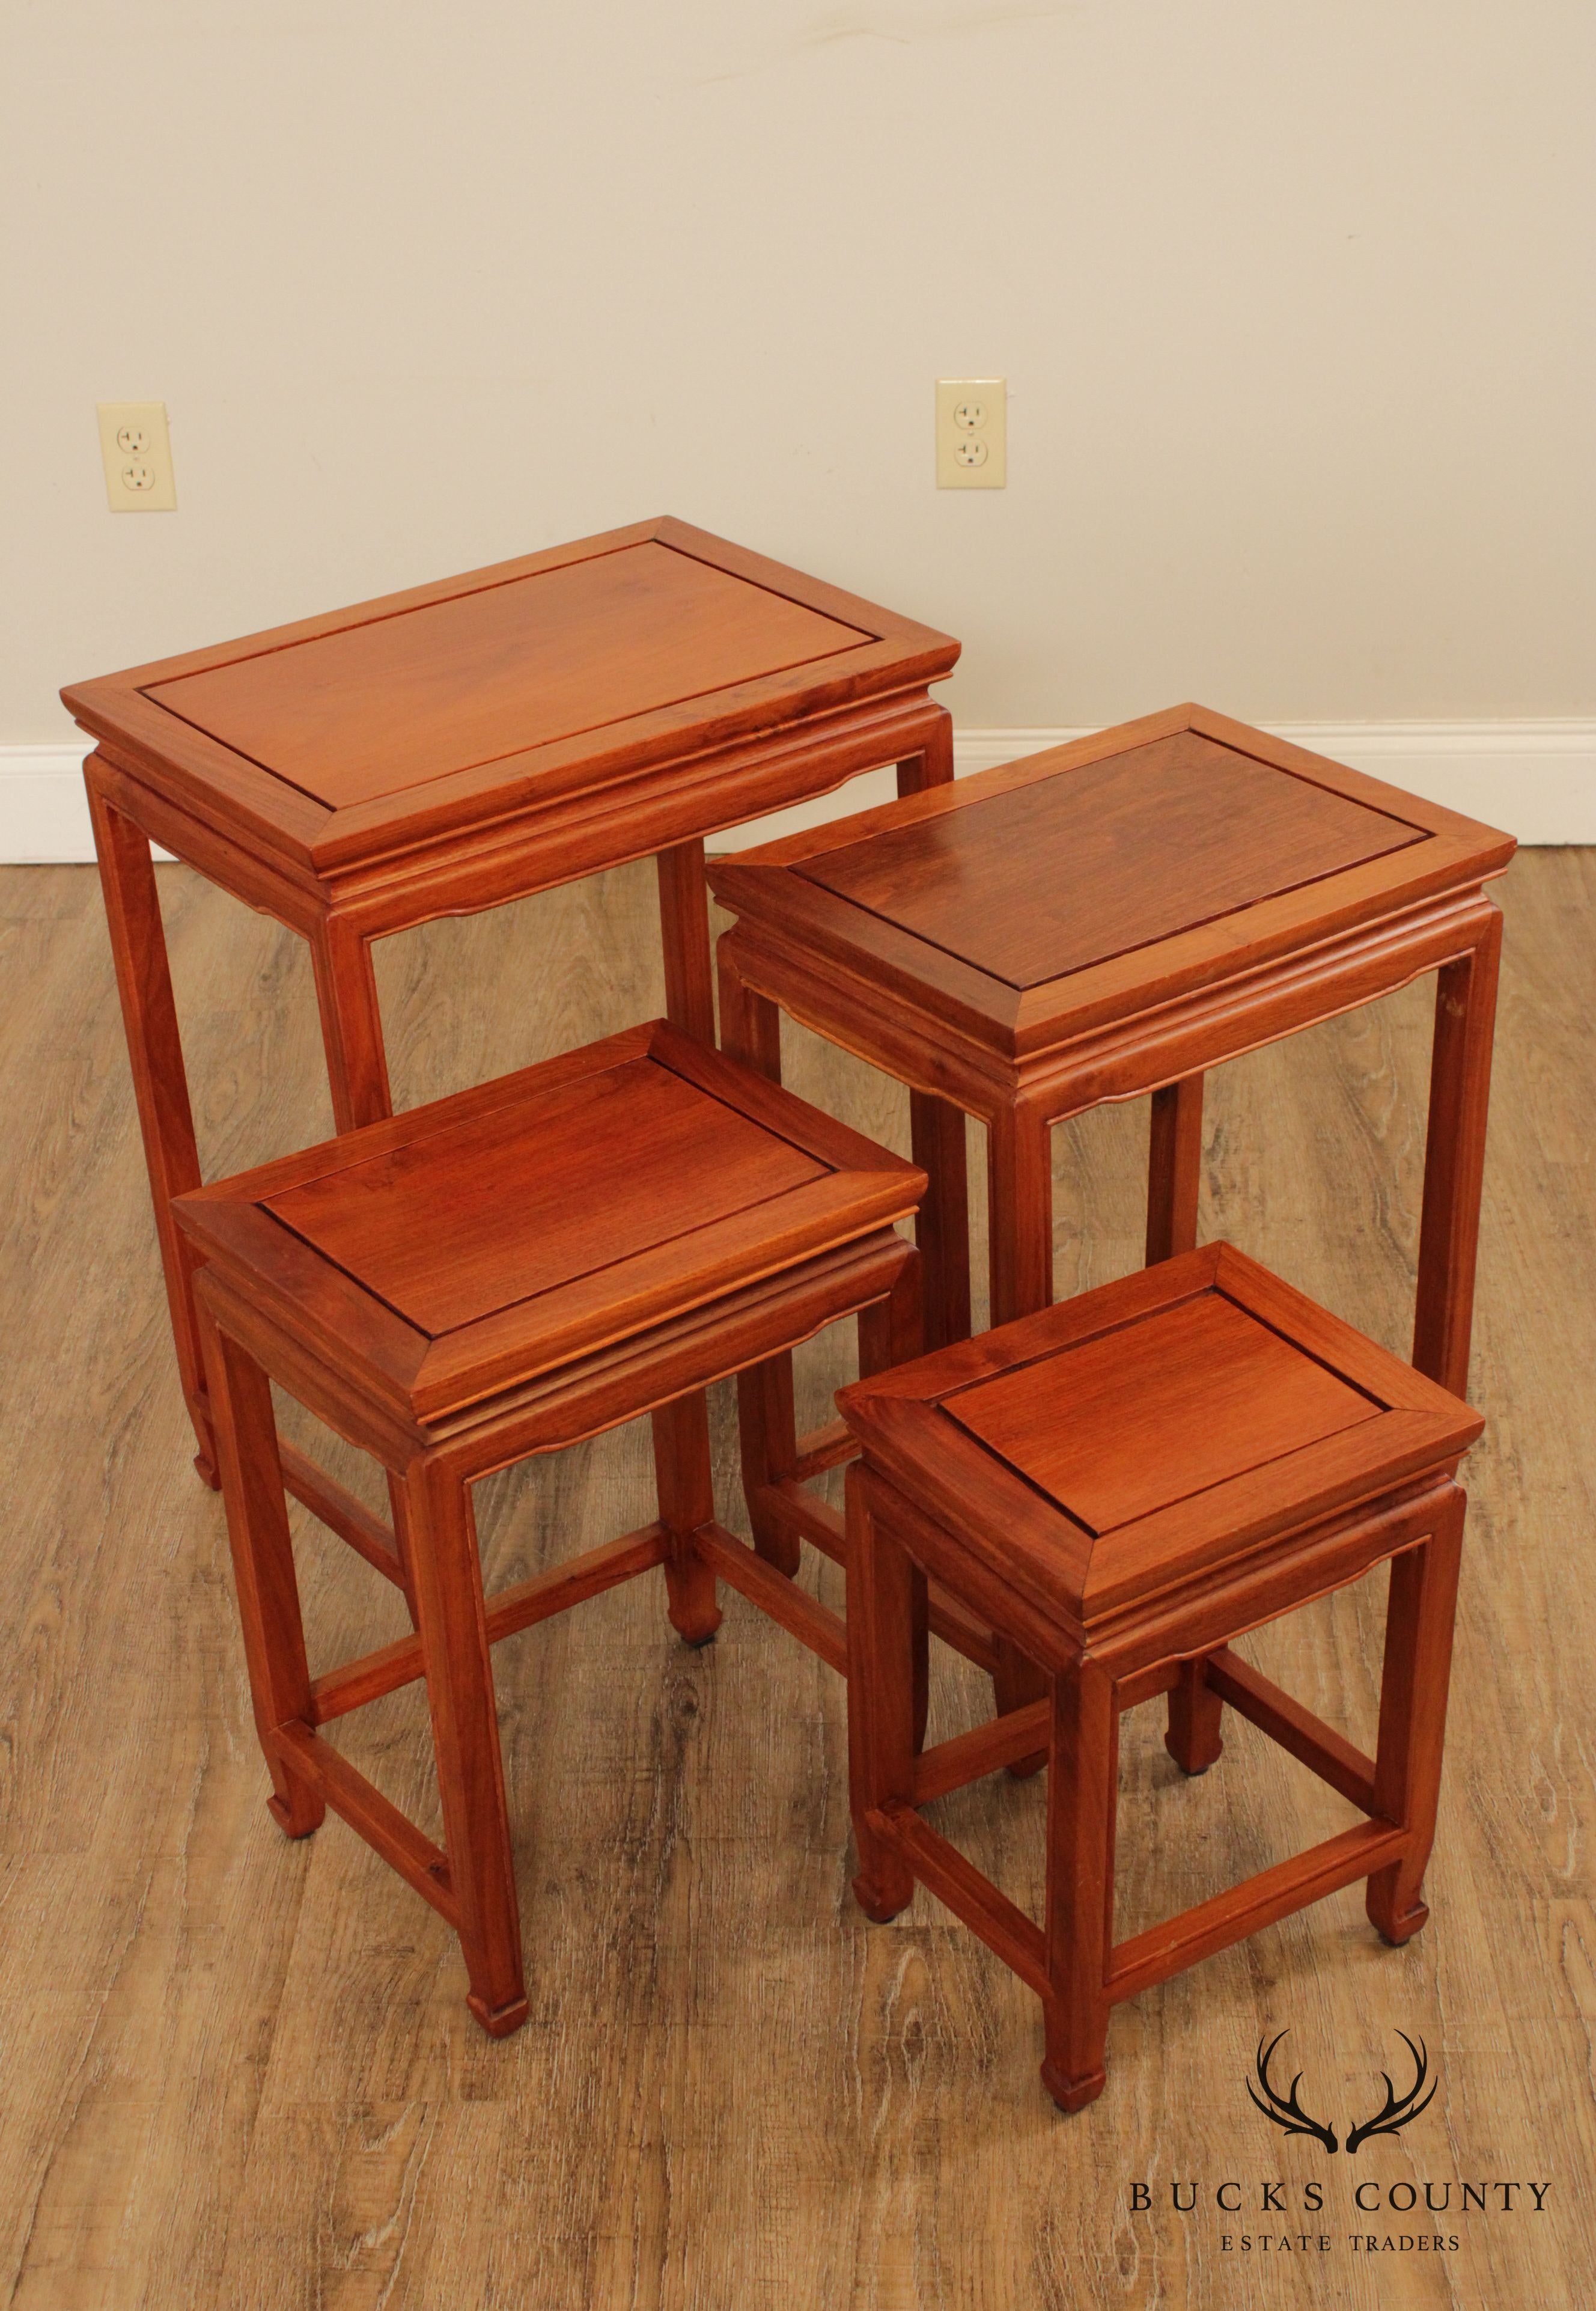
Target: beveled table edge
[{"x": 789, "y": 920}]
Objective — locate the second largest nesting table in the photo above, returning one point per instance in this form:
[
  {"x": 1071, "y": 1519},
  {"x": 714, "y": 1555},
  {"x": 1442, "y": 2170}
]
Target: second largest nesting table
[
  {"x": 1107, "y": 919},
  {"x": 446, "y": 750}
]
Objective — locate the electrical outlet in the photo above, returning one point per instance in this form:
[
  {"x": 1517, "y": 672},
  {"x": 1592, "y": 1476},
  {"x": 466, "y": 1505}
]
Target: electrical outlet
[
  {"x": 972, "y": 433},
  {"x": 136, "y": 449}
]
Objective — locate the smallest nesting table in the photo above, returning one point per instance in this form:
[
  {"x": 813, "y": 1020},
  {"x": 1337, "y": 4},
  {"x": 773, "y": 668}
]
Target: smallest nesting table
[{"x": 1121, "y": 1486}]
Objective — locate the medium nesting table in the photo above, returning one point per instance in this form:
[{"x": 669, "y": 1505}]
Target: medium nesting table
[
  {"x": 1104, "y": 920},
  {"x": 497, "y": 1275},
  {"x": 446, "y": 750}
]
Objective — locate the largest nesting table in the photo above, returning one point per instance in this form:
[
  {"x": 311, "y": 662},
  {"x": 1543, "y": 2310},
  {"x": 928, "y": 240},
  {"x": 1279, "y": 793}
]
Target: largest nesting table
[{"x": 448, "y": 749}]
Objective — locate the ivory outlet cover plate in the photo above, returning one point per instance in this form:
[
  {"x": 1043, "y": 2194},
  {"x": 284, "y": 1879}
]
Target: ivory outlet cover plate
[
  {"x": 972, "y": 433},
  {"x": 136, "y": 449}
]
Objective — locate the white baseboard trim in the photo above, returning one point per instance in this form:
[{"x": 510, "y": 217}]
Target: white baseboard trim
[
  {"x": 44, "y": 811},
  {"x": 1537, "y": 778}
]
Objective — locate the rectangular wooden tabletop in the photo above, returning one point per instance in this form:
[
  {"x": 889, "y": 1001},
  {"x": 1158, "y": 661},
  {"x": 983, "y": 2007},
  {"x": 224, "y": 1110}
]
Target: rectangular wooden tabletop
[
  {"x": 496, "y": 1235},
  {"x": 1106, "y": 1448},
  {"x": 462, "y": 702},
  {"x": 1097, "y": 879},
  {"x": 1036, "y": 881}
]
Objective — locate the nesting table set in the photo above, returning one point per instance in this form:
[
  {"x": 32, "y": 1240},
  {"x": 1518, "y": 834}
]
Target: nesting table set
[{"x": 1093, "y": 1501}]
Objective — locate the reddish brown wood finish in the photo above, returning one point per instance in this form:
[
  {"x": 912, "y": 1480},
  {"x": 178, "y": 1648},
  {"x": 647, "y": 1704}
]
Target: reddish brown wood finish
[
  {"x": 686, "y": 1508},
  {"x": 445, "y": 750},
  {"x": 343, "y": 1514},
  {"x": 1454, "y": 1157},
  {"x": 1174, "y": 1169},
  {"x": 263, "y": 1571},
  {"x": 500, "y": 1274},
  {"x": 520, "y": 1607},
  {"x": 685, "y": 931},
  {"x": 936, "y": 1136},
  {"x": 1196, "y": 1713},
  {"x": 883, "y": 1628},
  {"x": 391, "y": 698},
  {"x": 1122, "y": 1486},
  {"x": 776, "y": 1462},
  {"x": 1108, "y": 921},
  {"x": 1184, "y": 1377},
  {"x": 1034, "y": 883},
  {"x": 160, "y": 1083},
  {"x": 1420, "y": 1612},
  {"x": 1113, "y": 918}
]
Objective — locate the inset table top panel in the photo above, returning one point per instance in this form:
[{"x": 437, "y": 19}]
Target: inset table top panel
[
  {"x": 499, "y": 1207},
  {"x": 409, "y": 695},
  {"x": 1115, "y": 1427},
  {"x": 508, "y": 1230},
  {"x": 1042, "y": 879}
]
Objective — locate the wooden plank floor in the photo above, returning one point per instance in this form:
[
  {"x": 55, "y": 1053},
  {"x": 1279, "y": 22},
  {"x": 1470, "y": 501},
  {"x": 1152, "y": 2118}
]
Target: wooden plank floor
[{"x": 238, "y": 2072}]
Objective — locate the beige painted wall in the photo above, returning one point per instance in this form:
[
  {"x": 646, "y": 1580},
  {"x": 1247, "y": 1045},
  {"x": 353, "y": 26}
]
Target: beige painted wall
[{"x": 1294, "y": 296}]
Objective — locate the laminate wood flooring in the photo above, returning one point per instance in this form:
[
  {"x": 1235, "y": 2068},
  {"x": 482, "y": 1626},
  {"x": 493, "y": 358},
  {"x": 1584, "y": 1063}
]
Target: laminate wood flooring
[{"x": 238, "y": 2072}]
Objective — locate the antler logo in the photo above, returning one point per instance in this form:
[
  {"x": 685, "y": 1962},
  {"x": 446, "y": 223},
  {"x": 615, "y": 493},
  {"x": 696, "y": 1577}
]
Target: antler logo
[
  {"x": 1398, "y": 2108},
  {"x": 1286, "y": 2112},
  {"x": 1289, "y": 2116}
]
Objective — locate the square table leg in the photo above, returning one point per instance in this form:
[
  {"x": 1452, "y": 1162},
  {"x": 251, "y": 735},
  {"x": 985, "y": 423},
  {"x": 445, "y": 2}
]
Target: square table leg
[
  {"x": 1454, "y": 1159},
  {"x": 160, "y": 1082},
  {"x": 936, "y": 1134},
  {"x": 452, "y": 1625},
  {"x": 886, "y": 1673},
  {"x": 1174, "y": 1169},
  {"x": 685, "y": 1481},
  {"x": 684, "y": 934},
  {"x": 1020, "y": 1236},
  {"x": 942, "y": 1228},
  {"x": 1081, "y": 1799},
  {"x": 1174, "y": 1181},
  {"x": 351, "y": 1024},
  {"x": 1413, "y": 1690},
  {"x": 268, "y": 1593},
  {"x": 1196, "y": 1714},
  {"x": 1020, "y": 1212},
  {"x": 767, "y": 1425},
  {"x": 891, "y": 1332}
]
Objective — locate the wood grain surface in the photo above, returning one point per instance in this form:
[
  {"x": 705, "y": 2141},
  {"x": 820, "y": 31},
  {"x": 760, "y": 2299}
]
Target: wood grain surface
[
  {"x": 1041, "y": 880},
  {"x": 506, "y": 1217},
  {"x": 236, "y": 2072},
  {"x": 399, "y": 699},
  {"x": 1217, "y": 1389},
  {"x": 336, "y": 739}
]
